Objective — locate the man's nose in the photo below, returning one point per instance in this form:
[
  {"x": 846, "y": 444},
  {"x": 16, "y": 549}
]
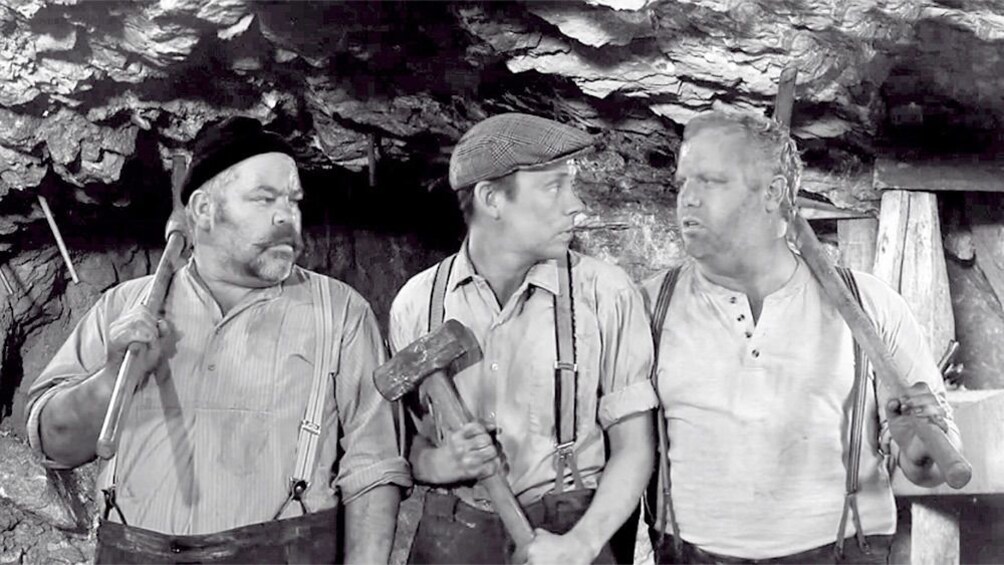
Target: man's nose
[
  {"x": 688, "y": 196},
  {"x": 285, "y": 213}
]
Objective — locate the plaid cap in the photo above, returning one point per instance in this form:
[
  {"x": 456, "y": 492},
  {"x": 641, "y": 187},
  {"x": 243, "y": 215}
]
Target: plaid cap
[
  {"x": 221, "y": 145},
  {"x": 506, "y": 143}
]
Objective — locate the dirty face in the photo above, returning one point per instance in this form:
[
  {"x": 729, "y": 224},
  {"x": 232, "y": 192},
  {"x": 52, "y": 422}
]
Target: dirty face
[
  {"x": 720, "y": 208},
  {"x": 256, "y": 219}
]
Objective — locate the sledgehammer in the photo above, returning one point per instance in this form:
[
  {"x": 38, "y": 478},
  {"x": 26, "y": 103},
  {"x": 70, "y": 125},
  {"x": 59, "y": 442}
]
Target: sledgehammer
[{"x": 425, "y": 362}]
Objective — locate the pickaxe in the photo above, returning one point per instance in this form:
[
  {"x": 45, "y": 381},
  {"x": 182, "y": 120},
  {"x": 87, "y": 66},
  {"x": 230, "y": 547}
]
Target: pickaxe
[
  {"x": 956, "y": 470},
  {"x": 127, "y": 378},
  {"x": 425, "y": 362}
]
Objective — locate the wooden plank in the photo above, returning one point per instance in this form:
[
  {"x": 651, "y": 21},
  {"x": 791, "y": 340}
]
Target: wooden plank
[
  {"x": 816, "y": 210},
  {"x": 954, "y": 174},
  {"x": 924, "y": 277},
  {"x": 857, "y": 239},
  {"x": 934, "y": 533},
  {"x": 891, "y": 237},
  {"x": 980, "y": 417}
]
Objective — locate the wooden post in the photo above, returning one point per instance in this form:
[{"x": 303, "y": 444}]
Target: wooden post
[
  {"x": 857, "y": 239},
  {"x": 909, "y": 256},
  {"x": 934, "y": 538}
]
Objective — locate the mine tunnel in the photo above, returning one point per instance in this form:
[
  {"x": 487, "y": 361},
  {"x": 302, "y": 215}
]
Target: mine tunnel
[{"x": 897, "y": 117}]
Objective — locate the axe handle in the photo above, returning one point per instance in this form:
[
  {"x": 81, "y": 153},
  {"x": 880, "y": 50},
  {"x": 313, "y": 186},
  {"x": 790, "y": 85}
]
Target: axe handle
[
  {"x": 455, "y": 415},
  {"x": 953, "y": 465},
  {"x": 127, "y": 378}
]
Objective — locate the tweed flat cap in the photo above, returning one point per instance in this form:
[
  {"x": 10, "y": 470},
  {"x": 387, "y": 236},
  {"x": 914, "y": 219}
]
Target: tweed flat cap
[
  {"x": 227, "y": 143},
  {"x": 506, "y": 143}
]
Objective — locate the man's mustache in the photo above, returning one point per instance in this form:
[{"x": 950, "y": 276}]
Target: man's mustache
[{"x": 283, "y": 236}]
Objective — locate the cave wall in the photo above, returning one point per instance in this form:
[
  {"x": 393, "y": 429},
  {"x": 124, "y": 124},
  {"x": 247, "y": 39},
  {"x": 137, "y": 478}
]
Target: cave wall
[{"x": 95, "y": 98}]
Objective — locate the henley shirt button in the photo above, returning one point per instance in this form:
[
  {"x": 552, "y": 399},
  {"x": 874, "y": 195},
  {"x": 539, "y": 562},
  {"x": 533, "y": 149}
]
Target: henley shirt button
[
  {"x": 749, "y": 335},
  {"x": 495, "y": 366},
  {"x": 732, "y": 299},
  {"x": 212, "y": 367},
  {"x": 756, "y": 353},
  {"x": 741, "y": 317}
]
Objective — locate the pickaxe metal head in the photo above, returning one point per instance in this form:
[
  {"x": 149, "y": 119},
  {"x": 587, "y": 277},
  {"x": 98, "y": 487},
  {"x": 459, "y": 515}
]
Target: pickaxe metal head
[{"x": 451, "y": 345}]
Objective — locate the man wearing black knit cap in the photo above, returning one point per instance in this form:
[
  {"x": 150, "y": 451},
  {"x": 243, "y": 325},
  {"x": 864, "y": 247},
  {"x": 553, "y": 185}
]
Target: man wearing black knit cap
[
  {"x": 257, "y": 417},
  {"x": 567, "y": 356}
]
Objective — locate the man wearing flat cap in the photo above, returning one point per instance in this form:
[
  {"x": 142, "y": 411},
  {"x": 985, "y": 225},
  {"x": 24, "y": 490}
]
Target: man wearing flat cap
[
  {"x": 257, "y": 418},
  {"x": 567, "y": 353}
]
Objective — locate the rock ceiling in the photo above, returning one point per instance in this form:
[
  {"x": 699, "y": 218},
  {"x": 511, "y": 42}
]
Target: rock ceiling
[{"x": 95, "y": 96}]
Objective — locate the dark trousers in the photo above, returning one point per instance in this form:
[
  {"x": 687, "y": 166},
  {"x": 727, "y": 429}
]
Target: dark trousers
[
  {"x": 311, "y": 538},
  {"x": 451, "y": 531},
  {"x": 877, "y": 553}
]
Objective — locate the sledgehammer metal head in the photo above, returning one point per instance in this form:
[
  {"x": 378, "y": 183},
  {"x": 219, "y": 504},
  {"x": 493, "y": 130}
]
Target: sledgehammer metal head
[{"x": 452, "y": 344}]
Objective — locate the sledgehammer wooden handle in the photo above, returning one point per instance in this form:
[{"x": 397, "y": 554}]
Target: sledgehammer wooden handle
[
  {"x": 953, "y": 465},
  {"x": 455, "y": 415}
]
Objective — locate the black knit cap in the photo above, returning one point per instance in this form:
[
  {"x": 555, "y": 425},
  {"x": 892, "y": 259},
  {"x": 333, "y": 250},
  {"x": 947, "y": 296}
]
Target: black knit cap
[{"x": 227, "y": 143}]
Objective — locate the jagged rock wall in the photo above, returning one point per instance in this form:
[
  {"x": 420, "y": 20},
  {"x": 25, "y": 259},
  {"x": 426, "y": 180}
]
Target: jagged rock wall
[{"x": 95, "y": 97}]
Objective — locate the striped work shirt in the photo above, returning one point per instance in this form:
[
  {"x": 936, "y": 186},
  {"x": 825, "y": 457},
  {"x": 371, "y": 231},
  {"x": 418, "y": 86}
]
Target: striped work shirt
[
  {"x": 513, "y": 387},
  {"x": 210, "y": 442}
]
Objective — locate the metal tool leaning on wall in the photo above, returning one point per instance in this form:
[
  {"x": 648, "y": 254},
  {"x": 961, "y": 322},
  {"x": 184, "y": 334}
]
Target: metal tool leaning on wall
[
  {"x": 566, "y": 357},
  {"x": 254, "y": 422},
  {"x": 768, "y": 402}
]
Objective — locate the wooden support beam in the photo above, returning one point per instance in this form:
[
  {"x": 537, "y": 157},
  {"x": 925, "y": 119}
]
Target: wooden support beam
[
  {"x": 909, "y": 256},
  {"x": 924, "y": 279},
  {"x": 816, "y": 210},
  {"x": 934, "y": 533},
  {"x": 857, "y": 239},
  {"x": 891, "y": 237},
  {"x": 954, "y": 174}
]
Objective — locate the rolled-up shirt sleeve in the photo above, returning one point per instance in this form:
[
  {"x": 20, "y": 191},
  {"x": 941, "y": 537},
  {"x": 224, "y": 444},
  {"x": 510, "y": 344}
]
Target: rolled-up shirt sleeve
[
  {"x": 627, "y": 356},
  {"x": 82, "y": 354},
  {"x": 908, "y": 347},
  {"x": 369, "y": 436}
]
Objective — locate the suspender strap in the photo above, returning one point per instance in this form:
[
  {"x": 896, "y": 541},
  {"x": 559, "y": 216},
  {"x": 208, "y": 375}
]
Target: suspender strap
[
  {"x": 437, "y": 302},
  {"x": 856, "y": 435},
  {"x": 565, "y": 377},
  {"x": 565, "y": 370},
  {"x": 659, "y": 488},
  {"x": 310, "y": 427}
]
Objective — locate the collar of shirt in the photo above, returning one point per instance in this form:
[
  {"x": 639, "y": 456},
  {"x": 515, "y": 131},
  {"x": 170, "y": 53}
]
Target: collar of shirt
[
  {"x": 794, "y": 283},
  {"x": 543, "y": 275},
  {"x": 190, "y": 272}
]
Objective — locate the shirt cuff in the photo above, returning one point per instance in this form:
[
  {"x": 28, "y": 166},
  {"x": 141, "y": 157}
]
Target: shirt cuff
[
  {"x": 357, "y": 482},
  {"x": 625, "y": 402},
  {"x": 34, "y": 417}
]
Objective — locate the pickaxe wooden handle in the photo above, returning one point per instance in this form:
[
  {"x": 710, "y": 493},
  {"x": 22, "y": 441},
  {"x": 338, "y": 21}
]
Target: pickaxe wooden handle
[
  {"x": 956, "y": 470},
  {"x": 128, "y": 377}
]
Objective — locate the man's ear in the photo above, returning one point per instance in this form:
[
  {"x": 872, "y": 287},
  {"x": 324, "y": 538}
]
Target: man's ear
[
  {"x": 200, "y": 209},
  {"x": 486, "y": 196},
  {"x": 775, "y": 193}
]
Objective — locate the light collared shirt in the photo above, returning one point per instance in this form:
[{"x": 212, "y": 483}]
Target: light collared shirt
[
  {"x": 759, "y": 414},
  {"x": 513, "y": 387},
  {"x": 210, "y": 442}
]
